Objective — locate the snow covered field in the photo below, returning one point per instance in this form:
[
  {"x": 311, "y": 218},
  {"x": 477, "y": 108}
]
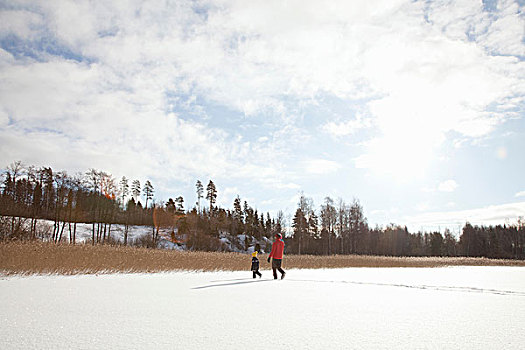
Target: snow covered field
[{"x": 354, "y": 308}]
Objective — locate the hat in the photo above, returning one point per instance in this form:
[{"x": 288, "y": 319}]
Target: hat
[
  {"x": 278, "y": 235},
  {"x": 254, "y": 254}
]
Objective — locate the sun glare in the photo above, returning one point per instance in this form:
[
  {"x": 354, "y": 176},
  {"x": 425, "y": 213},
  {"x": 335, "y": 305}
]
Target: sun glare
[{"x": 402, "y": 158}]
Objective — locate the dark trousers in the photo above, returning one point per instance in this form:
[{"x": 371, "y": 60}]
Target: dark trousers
[
  {"x": 276, "y": 265},
  {"x": 256, "y": 273},
  {"x": 275, "y": 272}
]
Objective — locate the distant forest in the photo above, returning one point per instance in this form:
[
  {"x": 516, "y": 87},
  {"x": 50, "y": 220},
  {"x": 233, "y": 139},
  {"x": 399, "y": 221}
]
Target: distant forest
[{"x": 30, "y": 194}]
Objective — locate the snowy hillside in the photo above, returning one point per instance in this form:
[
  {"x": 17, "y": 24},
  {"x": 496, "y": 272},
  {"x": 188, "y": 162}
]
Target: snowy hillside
[
  {"x": 84, "y": 233},
  {"x": 357, "y": 308}
]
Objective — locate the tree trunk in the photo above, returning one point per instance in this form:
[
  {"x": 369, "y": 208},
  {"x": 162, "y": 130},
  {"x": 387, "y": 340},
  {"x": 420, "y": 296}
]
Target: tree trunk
[
  {"x": 61, "y": 231},
  {"x": 99, "y": 231},
  {"x": 19, "y": 226},
  {"x": 126, "y": 234},
  {"x": 33, "y": 227},
  {"x": 56, "y": 228},
  {"x": 74, "y": 232},
  {"x": 109, "y": 232}
]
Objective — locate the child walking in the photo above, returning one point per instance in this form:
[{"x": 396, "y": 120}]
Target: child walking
[{"x": 255, "y": 265}]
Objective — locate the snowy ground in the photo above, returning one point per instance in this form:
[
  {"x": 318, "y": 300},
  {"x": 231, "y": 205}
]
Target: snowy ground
[{"x": 355, "y": 308}]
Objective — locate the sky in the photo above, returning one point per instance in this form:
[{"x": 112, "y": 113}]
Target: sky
[{"x": 414, "y": 108}]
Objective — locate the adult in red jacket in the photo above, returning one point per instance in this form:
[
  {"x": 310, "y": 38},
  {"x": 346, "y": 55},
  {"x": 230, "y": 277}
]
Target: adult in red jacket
[{"x": 277, "y": 255}]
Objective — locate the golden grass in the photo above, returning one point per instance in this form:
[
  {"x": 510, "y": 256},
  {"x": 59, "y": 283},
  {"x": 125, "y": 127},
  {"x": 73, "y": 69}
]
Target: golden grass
[{"x": 46, "y": 258}]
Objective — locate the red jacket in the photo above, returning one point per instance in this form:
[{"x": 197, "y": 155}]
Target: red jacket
[{"x": 277, "y": 249}]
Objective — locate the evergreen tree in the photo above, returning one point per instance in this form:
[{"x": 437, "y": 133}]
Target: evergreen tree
[
  {"x": 124, "y": 190},
  {"x": 135, "y": 190},
  {"x": 49, "y": 190},
  {"x": 211, "y": 195},
  {"x": 237, "y": 217},
  {"x": 357, "y": 224},
  {"x": 328, "y": 220},
  {"x": 269, "y": 225},
  {"x": 279, "y": 222},
  {"x": 300, "y": 227},
  {"x": 200, "y": 191},
  {"x": 237, "y": 210},
  {"x": 449, "y": 244},
  {"x": 313, "y": 226},
  {"x": 9, "y": 186},
  {"x": 180, "y": 204},
  {"x": 131, "y": 205},
  {"x": 171, "y": 207},
  {"x": 148, "y": 192}
]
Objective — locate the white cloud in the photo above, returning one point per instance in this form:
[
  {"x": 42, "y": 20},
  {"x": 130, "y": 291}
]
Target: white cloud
[
  {"x": 506, "y": 32},
  {"x": 4, "y": 118},
  {"x": 448, "y": 186},
  {"x": 434, "y": 82},
  {"x": 22, "y": 23},
  {"x": 289, "y": 185},
  {"x": 321, "y": 166},
  {"x": 424, "y": 206},
  {"x": 489, "y": 215},
  {"x": 520, "y": 194},
  {"x": 346, "y": 128},
  {"x": 444, "y": 186},
  {"x": 103, "y": 95},
  {"x": 228, "y": 195}
]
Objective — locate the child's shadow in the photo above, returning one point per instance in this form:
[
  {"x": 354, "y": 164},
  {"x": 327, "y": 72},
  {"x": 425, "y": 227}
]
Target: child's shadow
[{"x": 239, "y": 282}]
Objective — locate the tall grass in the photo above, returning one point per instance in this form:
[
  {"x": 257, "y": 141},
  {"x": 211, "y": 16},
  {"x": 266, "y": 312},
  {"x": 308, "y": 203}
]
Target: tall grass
[{"x": 47, "y": 258}]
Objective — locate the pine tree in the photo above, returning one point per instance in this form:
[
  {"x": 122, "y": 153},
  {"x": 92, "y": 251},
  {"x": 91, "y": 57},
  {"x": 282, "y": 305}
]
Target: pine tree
[
  {"x": 171, "y": 207},
  {"x": 180, "y": 204},
  {"x": 300, "y": 227},
  {"x": 200, "y": 190},
  {"x": 135, "y": 190},
  {"x": 237, "y": 210},
  {"x": 148, "y": 192},
  {"x": 342, "y": 221},
  {"x": 313, "y": 225},
  {"x": 238, "y": 219},
  {"x": 124, "y": 190},
  {"x": 269, "y": 226},
  {"x": 357, "y": 224},
  {"x": 211, "y": 195},
  {"x": 328, "y": 219}
]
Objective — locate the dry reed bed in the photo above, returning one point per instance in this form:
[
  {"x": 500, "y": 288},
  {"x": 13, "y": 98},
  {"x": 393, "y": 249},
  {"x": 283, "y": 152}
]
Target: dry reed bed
[{"x": 45, "y": 258}]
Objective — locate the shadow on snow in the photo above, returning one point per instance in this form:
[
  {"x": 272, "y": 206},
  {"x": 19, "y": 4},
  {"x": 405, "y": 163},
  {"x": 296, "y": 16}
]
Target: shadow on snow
[{"x": 242, "y": 281}]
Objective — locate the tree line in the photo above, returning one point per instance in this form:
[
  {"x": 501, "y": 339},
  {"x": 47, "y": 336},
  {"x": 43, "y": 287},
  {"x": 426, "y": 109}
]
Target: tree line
[
  {"x": 342, "y": 228},
  {"x": 30, "y": 194}
]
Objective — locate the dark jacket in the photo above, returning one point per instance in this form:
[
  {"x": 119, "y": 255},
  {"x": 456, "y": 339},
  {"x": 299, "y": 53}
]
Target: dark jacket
[{"x": 255, "y": 264}]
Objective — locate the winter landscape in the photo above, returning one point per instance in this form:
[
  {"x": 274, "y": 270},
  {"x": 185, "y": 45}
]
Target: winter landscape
[
  {"x": 354, "y": 308},
  {"x": 364, "y": 156}
]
